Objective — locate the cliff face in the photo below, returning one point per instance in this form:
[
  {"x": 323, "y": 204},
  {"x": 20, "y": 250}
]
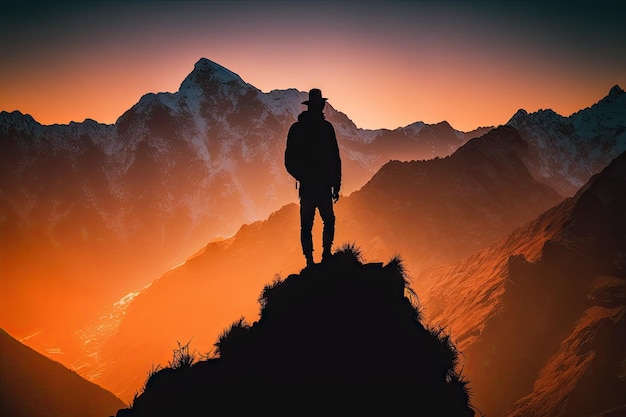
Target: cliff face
[{"x": 341, "y": 336}]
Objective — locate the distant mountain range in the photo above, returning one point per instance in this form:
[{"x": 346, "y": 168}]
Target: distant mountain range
[
  {"x": 93, "y": 210},
  {"x": 564, "y": 152},
  {"x": 431, "y": 212},
  {"x": 35, "y": 386},
  {"x": 428, "y": 211}
]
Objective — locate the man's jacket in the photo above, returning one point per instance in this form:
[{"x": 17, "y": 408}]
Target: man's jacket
[{"x": 312, "y": 154}]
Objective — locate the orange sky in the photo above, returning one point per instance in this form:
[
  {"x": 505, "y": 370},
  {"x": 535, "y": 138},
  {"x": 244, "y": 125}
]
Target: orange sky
[{"x": 384, "y": 64}]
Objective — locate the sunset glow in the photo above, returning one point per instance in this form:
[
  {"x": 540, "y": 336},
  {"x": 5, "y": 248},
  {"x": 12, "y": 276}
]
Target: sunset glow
[
  {"x": 384, "y": 64},
  {"x": 166, "y": 222}
]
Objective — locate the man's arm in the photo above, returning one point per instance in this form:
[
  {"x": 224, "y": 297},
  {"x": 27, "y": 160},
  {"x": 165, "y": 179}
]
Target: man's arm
[{"x": 335, "y": 162}]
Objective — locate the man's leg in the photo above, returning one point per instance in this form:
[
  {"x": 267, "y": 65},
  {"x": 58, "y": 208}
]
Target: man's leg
[
  {"x": 307, "y": 215},
  {"x": 328, "y": 217}
]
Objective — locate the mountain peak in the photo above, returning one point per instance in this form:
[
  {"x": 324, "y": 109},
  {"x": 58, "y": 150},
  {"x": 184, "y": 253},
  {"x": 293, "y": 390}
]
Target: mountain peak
[
  {"x": 210, "y": 79},
  {"x": 205, "y": 67},
  {"x": 520, "y": 113},
  {"x": 615, "y": 91},
  {"x": 342, "y": 333}
]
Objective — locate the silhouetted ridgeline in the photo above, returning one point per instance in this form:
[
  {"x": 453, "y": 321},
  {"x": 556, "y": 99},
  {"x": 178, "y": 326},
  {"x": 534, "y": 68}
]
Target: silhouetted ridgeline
[
  {"x": 341, "y": 338},
  {"x": 547, "y": 331},
  {"x": 31, "y": 385}
]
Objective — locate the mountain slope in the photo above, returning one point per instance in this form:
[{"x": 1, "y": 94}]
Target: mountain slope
[
  {"x": 430, "y": 210},
  {"x": 175, "y": 171},
  {"x": 35, "y": 386},
  {"x": 217, "y": 141},
  {"x": 547, "y": 305},
  {"x": 340, "y": 336},
  {"x": 443, "y": 209},
  {"x": 90, "y": 212}
]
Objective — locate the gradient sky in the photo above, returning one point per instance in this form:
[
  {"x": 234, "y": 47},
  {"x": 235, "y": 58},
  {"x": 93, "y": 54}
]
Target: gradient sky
[{"x": 385, "y": 64}]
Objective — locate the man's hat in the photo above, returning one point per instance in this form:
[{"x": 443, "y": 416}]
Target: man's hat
[{"x": 315, "y": 96}]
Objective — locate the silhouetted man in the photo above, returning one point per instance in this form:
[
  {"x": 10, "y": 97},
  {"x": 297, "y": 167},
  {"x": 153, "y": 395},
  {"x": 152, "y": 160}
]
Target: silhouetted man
[{"x": 312, "y": 158}]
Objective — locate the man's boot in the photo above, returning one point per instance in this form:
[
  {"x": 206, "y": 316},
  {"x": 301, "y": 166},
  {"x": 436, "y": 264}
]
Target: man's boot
[
  {"x": 309, "y": 259},
  {"x": 328, "y": 235},
  {"x": 326, "y": 255}
]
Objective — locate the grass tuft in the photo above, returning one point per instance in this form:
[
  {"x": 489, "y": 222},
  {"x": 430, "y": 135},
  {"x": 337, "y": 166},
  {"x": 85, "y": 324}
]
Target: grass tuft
[
  {"x": 350, "y": 248},
  {"x": 228, "y": 338},
  {"x": 182, "y": 357}
]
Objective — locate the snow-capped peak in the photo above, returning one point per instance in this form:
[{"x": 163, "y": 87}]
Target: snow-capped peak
[
  {"x": 206, "y": 70},
  {"x": 566, "y": 151},
  {"x": 414, "y": 128},
  {"x": 216, "y": 71}
]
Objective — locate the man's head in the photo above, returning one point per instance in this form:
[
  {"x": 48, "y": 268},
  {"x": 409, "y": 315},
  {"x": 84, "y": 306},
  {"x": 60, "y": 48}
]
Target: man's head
[{"x": 315, "y": 102}]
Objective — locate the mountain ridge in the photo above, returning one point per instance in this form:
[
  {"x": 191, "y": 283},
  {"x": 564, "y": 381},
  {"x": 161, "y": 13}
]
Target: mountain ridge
[
  {"x": 564, "y": 152},
  {"x": 152, "y": 188},
  {"x": 547, "y": 300},
  {"x": 35, "y": 386},
  {"x": 341, "y": 335},
  {"x": 462, "y": 197},
  {"x": 144, "y": 193},
  {"x": 473, "y": 199}
]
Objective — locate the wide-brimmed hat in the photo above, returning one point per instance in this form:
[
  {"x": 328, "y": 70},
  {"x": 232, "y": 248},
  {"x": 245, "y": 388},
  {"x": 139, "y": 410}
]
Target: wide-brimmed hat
[{"x": 315, "y": 96}]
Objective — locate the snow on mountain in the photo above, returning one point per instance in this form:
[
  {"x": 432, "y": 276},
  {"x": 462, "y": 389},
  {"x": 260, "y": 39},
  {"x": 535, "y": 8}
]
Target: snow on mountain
[
  {"x": 283, "y": 102},
  {"x": 564, "y": 152},
  {"x": 178, "y": 169},
  {"x": 106, "y": 208},
  {"x": 214, "y": 129},
  {"x": 427, "y": 211}
]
